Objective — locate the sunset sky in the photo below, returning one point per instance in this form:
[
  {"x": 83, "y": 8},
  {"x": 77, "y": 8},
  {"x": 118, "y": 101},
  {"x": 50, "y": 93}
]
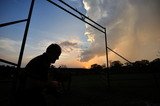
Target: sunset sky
[{"x": 133, "y": 30}]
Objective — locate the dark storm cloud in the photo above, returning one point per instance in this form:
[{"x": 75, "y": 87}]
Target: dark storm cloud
[{"x": 131, "y": 25}]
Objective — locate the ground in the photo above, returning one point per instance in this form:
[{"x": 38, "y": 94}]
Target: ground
[{"x": 92, "y": 90}]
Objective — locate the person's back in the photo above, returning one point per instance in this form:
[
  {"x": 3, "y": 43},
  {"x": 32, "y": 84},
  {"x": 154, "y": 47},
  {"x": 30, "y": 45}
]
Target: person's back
[
  {"x": 37, "y": 70},
  {"x": 37, "y": 76}
]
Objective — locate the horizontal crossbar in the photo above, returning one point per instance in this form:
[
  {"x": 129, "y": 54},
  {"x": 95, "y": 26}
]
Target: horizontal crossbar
[
  {"x": 13, "y": 22},
  {"x": 8, "y": 62}
]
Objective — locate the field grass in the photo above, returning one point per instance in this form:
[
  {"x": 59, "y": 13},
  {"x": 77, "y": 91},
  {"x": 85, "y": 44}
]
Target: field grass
[{"x": 91, "y": 90}]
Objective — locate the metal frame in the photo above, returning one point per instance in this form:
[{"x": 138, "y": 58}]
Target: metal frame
[
  {"x": 24, "y": 37},
  {"x": 25, "y": 34},
  {"x": 80, "y": 16}
]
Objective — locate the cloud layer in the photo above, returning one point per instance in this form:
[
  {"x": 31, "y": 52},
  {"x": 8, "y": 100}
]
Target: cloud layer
[
  {"x": 132, "y": 28},
  {"x": 68, "y": 46},
  {"x": 9, "y": 49}
]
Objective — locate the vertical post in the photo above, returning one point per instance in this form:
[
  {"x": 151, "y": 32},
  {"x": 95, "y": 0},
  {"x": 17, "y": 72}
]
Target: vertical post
[
  {"x": 107, "y": 58},
  {"x": 15, "y": 81},
  {"x": 106, "y": 48},
  {"x": 25, "y": 34}
]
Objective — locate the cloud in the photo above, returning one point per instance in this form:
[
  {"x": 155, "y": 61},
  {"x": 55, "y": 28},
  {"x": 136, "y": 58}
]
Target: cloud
[
  {"x": 71, "y": 47},
  {"x": 132, "y": 28},
  {"x": 71, "y": 50},
  {"x": 9, "y": 45},
  {"x": 67, "y": 43},
  {"x": 68, "y": 46},
  {"x": 9, "y": 49}
]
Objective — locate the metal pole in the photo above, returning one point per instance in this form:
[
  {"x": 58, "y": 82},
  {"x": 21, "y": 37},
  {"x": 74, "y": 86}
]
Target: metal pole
[
  {"x": 13, "y": 22},
  {"x": 119, "y": 55},
  {"x": 106, "y": 48},
  {"x": 15, "y": 81},
  {"x": 81, "y": 13},
  {"x": 82, "y": 19},
  {"x": 8, "y": 62},
  {"x": 25, "y": 34},
  {"x": 74, "y": 15}
]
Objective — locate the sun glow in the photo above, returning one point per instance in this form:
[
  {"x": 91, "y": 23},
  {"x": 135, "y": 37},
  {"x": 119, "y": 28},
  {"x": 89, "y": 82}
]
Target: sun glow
[{"x": 96, "y": 60}]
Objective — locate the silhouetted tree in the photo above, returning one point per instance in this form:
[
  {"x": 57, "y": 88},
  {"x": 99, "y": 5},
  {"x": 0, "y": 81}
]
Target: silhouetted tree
[
  {"x": 141, "y": 66},
  {"x": 7, "y": 71},
  {"x": 155, "y": 65},
  {"x": 103, "y": 65},
  {"x": 128, "y": 64},
  {"x": 96, "y": 66},
  {"x": 116, "y": 64}
]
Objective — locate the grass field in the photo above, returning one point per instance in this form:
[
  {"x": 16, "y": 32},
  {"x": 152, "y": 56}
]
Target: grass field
[
  {"x": 125, "y": 90},
  {"x": 91, "y": 90}
]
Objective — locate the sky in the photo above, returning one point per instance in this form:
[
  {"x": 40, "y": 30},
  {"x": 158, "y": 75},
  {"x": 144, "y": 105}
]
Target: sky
[{"x": 132, "y": 30}]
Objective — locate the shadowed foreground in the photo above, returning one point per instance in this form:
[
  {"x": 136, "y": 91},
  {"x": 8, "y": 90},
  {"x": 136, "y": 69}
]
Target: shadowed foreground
[{"x": 91, "y": 90}]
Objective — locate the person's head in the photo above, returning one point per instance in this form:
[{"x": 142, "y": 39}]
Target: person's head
[{"x": 53, "y": 51}]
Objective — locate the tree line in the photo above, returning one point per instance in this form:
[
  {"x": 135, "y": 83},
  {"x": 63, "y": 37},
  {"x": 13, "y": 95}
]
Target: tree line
[
  {"x": 115, "y": 67},
  {"x": 137, "y": 66}
]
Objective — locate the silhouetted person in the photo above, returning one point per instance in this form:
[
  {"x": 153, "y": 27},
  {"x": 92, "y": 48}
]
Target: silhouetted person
[{"x": 37, "y": 76}]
